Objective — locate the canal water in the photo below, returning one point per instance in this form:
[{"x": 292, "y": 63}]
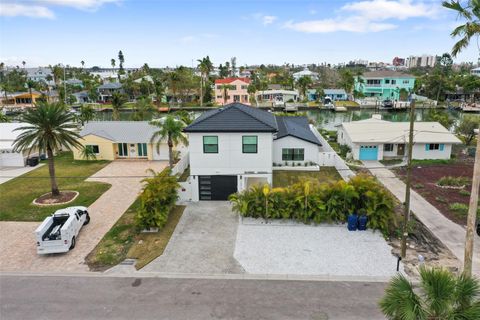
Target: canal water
[{"x": 322, "y": 118}]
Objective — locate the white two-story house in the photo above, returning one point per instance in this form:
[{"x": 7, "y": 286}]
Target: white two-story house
[{"x": 234, "y": 147}]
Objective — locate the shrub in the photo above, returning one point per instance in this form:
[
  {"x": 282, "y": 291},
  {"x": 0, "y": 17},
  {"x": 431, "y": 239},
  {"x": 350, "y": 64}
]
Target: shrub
[
  {"x": 309, "y": 201},
  {"x": 464, "y": 193},
  {"x": 453, "y": 181},
  {"x": 344, "y": 149},
  {"x": 460, "y": 209},
  {"x": 156, "y": 200}
]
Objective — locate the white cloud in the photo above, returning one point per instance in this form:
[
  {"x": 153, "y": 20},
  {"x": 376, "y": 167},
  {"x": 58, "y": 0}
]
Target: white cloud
[
  {"x": 266, "y": 20},
  {"x": 368, "y": 16},
  {"x": 389, "y": 9},
  {"x": 353, "y": 24},
  {"x": 33, "y": 11},
  {"x": 42, "y": 8}
]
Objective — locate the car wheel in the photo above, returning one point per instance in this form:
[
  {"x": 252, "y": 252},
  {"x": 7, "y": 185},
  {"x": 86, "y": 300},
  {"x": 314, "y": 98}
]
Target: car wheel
[
  {"x": 72, "y": 245},
  {"x": 87, "y": 219}
]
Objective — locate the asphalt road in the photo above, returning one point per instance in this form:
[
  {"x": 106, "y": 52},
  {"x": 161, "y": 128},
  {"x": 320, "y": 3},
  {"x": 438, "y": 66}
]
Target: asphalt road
[{"x": 87, "y": 297}]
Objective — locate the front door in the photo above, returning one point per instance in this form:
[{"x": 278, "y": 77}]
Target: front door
[{"x": 400, "y": 149}]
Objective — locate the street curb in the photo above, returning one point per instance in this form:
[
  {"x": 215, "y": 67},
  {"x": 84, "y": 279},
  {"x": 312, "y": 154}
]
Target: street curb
[{"x": 282, "y": 277}]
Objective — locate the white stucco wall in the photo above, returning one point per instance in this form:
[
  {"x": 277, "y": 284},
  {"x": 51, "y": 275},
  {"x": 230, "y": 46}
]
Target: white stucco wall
[
  {"x": 311, "y": 150},
  {"x": 420, "y": 153},
  {"x": 230, "y": 160}
]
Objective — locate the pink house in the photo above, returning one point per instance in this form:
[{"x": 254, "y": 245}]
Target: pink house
[{"x": 235, "y": 89}]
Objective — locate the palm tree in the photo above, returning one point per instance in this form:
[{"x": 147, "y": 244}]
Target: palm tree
[
  {"x": 225, "y": 87},
  {"x": 205, "y": 66},
  {"x": 470, "y": 11},
  {"x": 3, "y": 117},
  {"x": 50, "y": 127},
  {"x": 118, "y": 100},
  {"x": 112, "y": 62},
  {"x": 82, "y": 63},
  {"x": 30, "y": 85},
  {"x": 87, "y": 113},
  {"x": 24, "y": 63},
  {"x": 142, "y": 107},
  {"x": 171, "y": 129},
  {"x": 441, "y": 295},
  {"x": 303, "y": 83}
]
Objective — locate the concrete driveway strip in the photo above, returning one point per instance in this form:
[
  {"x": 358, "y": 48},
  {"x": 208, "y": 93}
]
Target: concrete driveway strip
[
  {"x": 9, "y": 173},
  {"x": 448, "y": 232},
  {"x": 17, "y": 242},
  {"x": 203, "y": 241}
]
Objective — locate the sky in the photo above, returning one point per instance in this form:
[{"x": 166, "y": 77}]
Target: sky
[{"x": 178, "y": 32}]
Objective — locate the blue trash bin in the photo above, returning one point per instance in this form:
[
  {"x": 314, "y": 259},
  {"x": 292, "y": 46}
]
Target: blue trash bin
[
  {"x": 362, "y": 222},
  {"x": 352, "y": 222}
]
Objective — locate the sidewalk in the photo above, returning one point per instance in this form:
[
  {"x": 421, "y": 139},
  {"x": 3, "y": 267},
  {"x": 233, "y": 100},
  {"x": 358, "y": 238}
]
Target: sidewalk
[{"x": 451, "y": 234}]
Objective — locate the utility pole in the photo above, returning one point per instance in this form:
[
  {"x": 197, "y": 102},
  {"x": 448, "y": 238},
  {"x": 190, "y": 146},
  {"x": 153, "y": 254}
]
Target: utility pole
[
  {"x": 406, "y": 214},
  {"x": 472, "y": 212}
]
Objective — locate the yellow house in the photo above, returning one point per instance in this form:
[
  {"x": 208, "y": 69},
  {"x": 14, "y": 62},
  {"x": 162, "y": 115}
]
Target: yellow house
[
  {"x": 111, "y": 140},
  {"x": 20, "y": 99}
]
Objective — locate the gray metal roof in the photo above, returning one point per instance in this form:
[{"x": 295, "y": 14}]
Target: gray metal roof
[
  {"x": 334, "y": 91},
  {"x": 110, "y": 85},
  {"x": 234, "y": 117},
  {"x": 297, "y": 127},
  {"x": 120, "y": 131}
]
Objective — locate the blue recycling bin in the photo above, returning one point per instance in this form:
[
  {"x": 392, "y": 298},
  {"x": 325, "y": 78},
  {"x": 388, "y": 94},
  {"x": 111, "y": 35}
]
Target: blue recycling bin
[
  {"x": 362, "y": 222},
  {"x": 352, "y": 222}
]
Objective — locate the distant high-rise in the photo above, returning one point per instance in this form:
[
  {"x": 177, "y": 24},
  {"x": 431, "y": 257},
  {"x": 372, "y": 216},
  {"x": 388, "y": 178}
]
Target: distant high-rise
[
  {"x": 397, "y": 62},
  {"x": 421, "y": 61}
]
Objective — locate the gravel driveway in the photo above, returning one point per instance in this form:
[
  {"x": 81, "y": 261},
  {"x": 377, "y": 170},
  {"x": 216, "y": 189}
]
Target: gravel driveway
[
  {"x": 203, "y": 241},
  {"x": 294, "y": 248},
  {"x": 17, "y": 241}
]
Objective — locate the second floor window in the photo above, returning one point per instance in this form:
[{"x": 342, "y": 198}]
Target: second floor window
[
  {"x": 210, "y": 144},
  {"x": 249, "y": 144}
]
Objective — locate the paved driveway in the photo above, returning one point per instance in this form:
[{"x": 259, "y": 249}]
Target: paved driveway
[
  {"x": 17, "y": 242},
  {"x": 8, "y": 173},
  {"x": 203, "y": 241}
]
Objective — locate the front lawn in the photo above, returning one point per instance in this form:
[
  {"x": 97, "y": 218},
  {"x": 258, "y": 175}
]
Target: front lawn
[
  {"x": 283, "y": 178},
  {"x": 125, "y": 241},
  {"x": 16, "y": 195}
]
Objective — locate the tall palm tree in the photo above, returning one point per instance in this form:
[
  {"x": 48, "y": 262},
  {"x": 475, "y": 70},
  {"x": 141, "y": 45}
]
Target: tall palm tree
[
  {"x": 441, "y": 295},
  {"x": 49, "y": 127},
  {"x": 469, "y": 11},
  {"x": 118, "y": 100},
  {"x": 171, "y": 129},
  {"x": 303, "y": 83},
  {"x": 225, "y": 87},
  {"x": 142, "y": 107},
  {"x": 24, "y": 63},
  {"x": 205, "y": 66},
  {"x": 112, "y": 62},
  {"x": 30, "y": 85},
  {"x": 87, "y": 113},
  {"x": 82, "y": 63}
]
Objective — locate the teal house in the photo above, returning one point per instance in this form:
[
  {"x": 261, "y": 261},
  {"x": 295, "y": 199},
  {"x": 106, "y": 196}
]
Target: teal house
[{"x": 384, "y": 84}]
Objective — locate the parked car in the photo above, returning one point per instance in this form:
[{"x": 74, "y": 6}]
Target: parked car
[
  {"x": 387, "y": 104},
  {"x": 58, "y": 232}
]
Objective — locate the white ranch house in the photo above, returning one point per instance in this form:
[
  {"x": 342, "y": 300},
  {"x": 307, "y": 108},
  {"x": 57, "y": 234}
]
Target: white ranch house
[
  {"x": 376, "y": 139},
  {"x": 8, "y": 135},
  {"x": 233, "y": 147}
]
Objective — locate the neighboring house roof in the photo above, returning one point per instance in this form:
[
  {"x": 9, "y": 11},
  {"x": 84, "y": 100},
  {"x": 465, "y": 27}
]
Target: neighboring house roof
[
  {"x": 297, "y": 127},
  {"x": 274, "y": 86},
  {"x": 120, "y": 131},
  {"x": 387, "y": 74},
  {"x": 74, "y": 81},
  {"x": 8, "y": 134},
  {"x": 230, "y": 80},
  {"x": 234, "y": 117},
  {"x": 146, "y": 78},
  {"x": 335, "y": 91},
  {"x": 305, "y": 72},
  {"x": 110, "y": 85},
  {"x": 277, "y": 91},
  {"x": 380, "y": 131}
]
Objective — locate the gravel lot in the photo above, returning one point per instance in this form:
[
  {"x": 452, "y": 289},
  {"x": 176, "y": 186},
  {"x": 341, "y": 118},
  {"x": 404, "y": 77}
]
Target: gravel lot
[{"x": 294, "y": 248}]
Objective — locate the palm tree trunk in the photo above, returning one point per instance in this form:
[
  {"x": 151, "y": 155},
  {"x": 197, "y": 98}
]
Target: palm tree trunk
[
  {"x": 201, "y": 91},
  {"x": 170, "y": 153},
  {"x": 51, "y": 171}
]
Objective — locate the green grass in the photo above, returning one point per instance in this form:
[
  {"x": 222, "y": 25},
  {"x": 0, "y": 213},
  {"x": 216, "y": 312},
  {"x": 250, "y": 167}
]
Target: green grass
[
  {"x": 391, "y": 162},
  {"x": 17, "y": 194},
  {"x": 346, "y": 104},
  {"x": 432, "y": 162},
  {"x": 122, "y": 241},
  {"x": 283, "y": 178}
]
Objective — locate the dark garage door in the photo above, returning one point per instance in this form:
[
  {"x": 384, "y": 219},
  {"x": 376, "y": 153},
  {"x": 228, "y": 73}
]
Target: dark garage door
[{"x": 216, "y": 187}]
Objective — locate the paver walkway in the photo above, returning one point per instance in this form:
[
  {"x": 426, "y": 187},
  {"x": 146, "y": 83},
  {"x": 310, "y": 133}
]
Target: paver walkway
[
  {"x": 451, "y": 234},
  {"x": 17, "y": 241},
  {"x": 203, "y": 241}
]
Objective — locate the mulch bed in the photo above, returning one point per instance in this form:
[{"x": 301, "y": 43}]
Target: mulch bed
[
  {"x": 424, "y": 179},
  {"x": 64, "y": 197}
]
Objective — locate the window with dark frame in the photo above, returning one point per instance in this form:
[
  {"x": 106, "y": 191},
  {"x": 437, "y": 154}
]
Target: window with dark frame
[
  {"x": 434, "y": 146},
  {"x": 293, "y": 154},
  {"x": 388, "y": 147},
  {"x": 249, "y": 144},
  {"x": 93, "y": 148},
  {"x": 210, "y": 144}
]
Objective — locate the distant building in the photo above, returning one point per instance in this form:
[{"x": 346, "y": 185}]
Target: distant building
[
  {"x": 398, "y": 61},
  {"x": 106, "y": 91},
  {"x": 384, "y": 84},
  {"x": 475, "y": 72},
  {"x": 277, "y": 96},
  {"x": 305, "y": 73},
  {"x": 74, "y": 82},
  {"x": 421, "y": 61},
  {"x": 40, "y": 75},
  {"x": 230, "y": 90},
  {"x": 334, "y": 94}
]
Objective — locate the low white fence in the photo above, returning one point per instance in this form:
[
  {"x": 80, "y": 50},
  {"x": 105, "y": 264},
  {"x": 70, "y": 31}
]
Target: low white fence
[
  {"x": 297, "y": 168},
  {"x": 329, "y": 158},
  {"x": 181, "y": 165}
]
